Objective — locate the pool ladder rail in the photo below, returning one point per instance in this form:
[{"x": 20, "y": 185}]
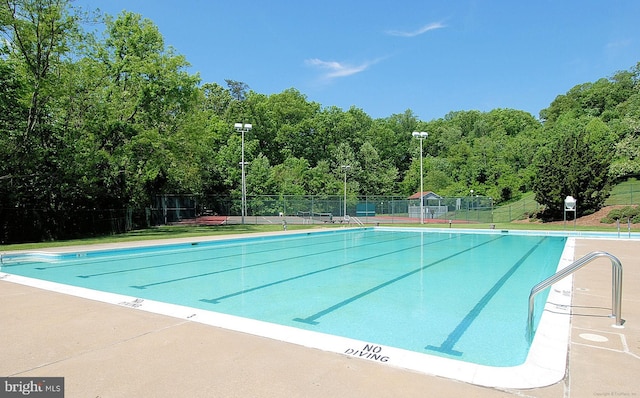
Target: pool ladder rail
[
  {"x": 616, "y": 286},
  {"x": 349, "y": 219}
]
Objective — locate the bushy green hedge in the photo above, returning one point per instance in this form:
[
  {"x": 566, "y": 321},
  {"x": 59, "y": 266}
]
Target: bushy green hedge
[{"x": 623, "y": 213}]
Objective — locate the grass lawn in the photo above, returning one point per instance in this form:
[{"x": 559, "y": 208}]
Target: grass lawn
[{"x": 179, "y": 231}]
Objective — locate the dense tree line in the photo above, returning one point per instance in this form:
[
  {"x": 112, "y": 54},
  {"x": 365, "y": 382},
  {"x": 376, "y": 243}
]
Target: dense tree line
[
  {"x": 591, "y": 141},
  {"x": 110, "y": 119}
]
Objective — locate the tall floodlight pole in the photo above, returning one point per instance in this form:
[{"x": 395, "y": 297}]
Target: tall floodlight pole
[
  {"x": 421, "y": 135},
  {"x": 344, "y": 210},
  {"x": 470, "y": 204},
  {"x": 243, "y": 128}
]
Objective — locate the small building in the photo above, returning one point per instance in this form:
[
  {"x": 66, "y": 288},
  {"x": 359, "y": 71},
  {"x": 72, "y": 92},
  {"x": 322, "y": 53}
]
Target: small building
[{"x": 431, "y": 205}]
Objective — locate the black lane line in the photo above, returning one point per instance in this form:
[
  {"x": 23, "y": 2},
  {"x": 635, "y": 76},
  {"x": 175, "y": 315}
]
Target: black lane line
[
  {"x": 173, "y": 251},
  {"x": 447, "y": 346},
  {"x": 203, "y": 248},
  {"x": 209, "y": 259},
  {"x": 312, "y": 319},
  {"x": 306, "y": 255},
  {"x": 226, "y": 296}
]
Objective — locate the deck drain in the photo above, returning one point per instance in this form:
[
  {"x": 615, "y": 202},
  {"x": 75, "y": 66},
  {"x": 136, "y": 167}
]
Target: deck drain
[{"x": 594, "y": 337}]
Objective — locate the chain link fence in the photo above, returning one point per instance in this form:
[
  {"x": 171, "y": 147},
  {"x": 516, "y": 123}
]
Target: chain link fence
[
  {"x": 173, "y": 209},
  {"x": 33, "y": 225}
]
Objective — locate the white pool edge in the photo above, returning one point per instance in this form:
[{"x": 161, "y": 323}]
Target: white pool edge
[{"x": 545, "y": 363}]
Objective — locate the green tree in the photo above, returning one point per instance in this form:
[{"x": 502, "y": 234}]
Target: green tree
[
  {"x": 39, "y": 32},
  {"x": 334, "y": 127},
  {"x": 237, "y": 89},
  {"x": 572, "y": 164},
  {"x": 13, "y": 113},
  {"x": 594, "y": 99},
  {"x": 378, "y": 176},
  {"x": 216, "y": 99},
  {"x": 14, "y": 152},
  {"x": 627, "y": 157},
  {"x": 148, "y": 95},
  {"x": 38, "y": 38},
  {"x": 258, "y": 177},
  {"x": 391, "y": 137},
  {"x": 345, "y": 161},
  {"x": 285, "y": 125},
  {"x": 288, "y": 178},
  {"x": 321, "y": 181},
  {"x": 227, "y": 161}
]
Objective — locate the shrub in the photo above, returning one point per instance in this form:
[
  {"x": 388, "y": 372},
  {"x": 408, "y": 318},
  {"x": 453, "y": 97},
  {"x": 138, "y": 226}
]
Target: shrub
[{"x": 623, "y": 213}]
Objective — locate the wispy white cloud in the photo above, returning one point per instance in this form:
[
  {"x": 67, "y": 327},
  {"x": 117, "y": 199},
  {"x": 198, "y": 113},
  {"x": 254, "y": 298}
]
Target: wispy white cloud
[
  {"x": 337, "y": 69},
  {"x": 424, "y": 29},
  {"x": 619, "y": 44}
]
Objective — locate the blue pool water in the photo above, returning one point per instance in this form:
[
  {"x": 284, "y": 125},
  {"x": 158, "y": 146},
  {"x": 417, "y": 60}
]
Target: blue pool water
[{"x": 453, "y": 294}]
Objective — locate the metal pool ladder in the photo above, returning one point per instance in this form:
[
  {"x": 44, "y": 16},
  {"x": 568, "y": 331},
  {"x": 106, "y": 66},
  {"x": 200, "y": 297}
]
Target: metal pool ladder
[{"x": 616, "y": 285}]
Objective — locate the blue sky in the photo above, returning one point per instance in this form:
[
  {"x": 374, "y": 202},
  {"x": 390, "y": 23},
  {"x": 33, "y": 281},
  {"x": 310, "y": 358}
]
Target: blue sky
[{"x": 385, "y": 57}]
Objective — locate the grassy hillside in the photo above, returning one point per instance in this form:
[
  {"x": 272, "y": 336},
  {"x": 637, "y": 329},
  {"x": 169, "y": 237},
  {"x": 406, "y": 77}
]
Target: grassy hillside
[
  {"x": 517, "y": 210},
  {"x": 625, "y": 193}
]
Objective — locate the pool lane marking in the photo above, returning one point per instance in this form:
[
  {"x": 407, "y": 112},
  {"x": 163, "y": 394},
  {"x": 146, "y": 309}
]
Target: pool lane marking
[
  {"x": 201, "y": 246},
  {"x": 241, "y": 292},
  {"x": 189, "y": 261},
  {"x": 277, "y": 260},
  {"x": 225, "y": 256},
  {"x": 447, "y": 346},
  {"x": 312, "y": 319}
]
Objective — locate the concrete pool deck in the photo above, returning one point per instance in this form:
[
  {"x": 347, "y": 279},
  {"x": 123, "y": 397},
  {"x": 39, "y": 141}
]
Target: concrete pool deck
[{"x": 105, "y": 350}]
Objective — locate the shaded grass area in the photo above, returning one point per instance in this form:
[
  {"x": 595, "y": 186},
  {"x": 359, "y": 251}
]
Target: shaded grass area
[{"x": 161, "y": 232}]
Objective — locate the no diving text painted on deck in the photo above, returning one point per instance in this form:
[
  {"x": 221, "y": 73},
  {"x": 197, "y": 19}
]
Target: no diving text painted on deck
[{"x": 369, "y": 351}]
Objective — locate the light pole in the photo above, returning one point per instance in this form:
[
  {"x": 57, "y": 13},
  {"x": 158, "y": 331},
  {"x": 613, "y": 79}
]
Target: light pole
[
  {"x": 243, "y": 128},
  {"x": 344, "y": 211},
  {"x": 493, "y": 225},
  {"x": 470, "y": 204},
  {"x": 421, "y": 135}
]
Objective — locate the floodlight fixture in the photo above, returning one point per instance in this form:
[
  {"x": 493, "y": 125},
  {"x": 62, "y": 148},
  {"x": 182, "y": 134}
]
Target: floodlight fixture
[{"x": 243, "y": 128}]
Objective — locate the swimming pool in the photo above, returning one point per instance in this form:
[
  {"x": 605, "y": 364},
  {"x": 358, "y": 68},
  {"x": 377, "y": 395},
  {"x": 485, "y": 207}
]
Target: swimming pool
[{"x": 387, "y": 292}]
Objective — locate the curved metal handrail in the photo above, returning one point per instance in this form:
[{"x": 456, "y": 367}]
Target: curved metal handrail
[{"x": 616, "y": 285}]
